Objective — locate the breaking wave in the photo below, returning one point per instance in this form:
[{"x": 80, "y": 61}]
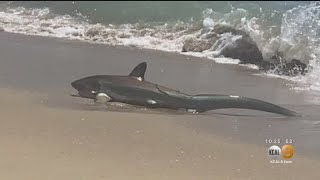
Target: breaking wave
[{"x": 294, "y": 33}]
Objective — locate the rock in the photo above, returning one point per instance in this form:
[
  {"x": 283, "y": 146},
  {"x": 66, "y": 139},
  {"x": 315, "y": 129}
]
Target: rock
[
  {"x": 289, "y": 68},
  {"x": 292, "y": 68},
  {"x": 1, "y": 29},
  {"x": 211, "y": 36},
  {"x": 195, "y": 45},
  {"x": 247, "y": 51},
  {"x": 244, "y": 48},
  {"x": 278, "y": 58},
  {"x": 265, "y": 65},
  {"x": 295, "y": 67}
]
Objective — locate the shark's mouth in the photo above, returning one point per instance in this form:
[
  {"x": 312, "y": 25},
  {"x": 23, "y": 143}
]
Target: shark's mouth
[
  {"x": 84, "y": 95},
  {"x": 75, "y": 95}
]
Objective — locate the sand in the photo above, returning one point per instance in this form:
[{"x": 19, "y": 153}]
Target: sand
[{"x": 47, "y": 134}]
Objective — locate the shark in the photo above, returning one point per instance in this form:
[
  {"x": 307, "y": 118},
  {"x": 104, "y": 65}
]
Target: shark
[{"x": 133, "y": 89}]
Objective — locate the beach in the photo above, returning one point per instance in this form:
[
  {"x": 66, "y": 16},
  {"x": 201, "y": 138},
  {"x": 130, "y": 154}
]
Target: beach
[{"x": 47, "y": 134}]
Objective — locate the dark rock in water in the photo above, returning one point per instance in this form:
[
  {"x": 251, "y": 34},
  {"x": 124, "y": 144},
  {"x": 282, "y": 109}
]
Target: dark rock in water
[
  {"x": 278, "y": 58},
  {"x": 195, "y": 45},
  {"x": 265, "y": 65},
  {"x": 247, "y": 51},
  {"x": 292, "y": 68},
  {"x": 244, "y": 48}
]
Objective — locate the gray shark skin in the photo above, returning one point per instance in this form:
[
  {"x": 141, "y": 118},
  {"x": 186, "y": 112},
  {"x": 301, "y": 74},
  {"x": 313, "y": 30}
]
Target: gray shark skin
[{"x": 134, "y": 90}]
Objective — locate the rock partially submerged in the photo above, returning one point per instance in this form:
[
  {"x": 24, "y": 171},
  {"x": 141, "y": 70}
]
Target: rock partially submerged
[
  {"x": 244, "y": 49},
  {"x": 196, "y": 45},
  {"x": 220, "y": 29},
  {"x": 283, "y": 67}
]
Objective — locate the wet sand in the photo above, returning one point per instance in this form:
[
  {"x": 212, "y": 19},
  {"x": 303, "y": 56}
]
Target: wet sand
[{"x": 47, "y": 134}]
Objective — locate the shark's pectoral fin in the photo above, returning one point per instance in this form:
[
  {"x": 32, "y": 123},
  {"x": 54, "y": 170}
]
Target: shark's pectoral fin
[
  {"x": 102, "y": 98},
  {"x": 139, "y": 71}
]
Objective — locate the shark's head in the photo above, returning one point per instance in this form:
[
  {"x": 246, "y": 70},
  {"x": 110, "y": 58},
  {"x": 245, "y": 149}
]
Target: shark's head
[{"x": 87, "y": 87}]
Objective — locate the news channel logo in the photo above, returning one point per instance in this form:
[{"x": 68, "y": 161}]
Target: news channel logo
[{"x": 286, "y": 152}]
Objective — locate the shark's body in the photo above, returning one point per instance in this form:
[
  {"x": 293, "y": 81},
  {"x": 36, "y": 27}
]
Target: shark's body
[{"x": 133, "y": 89}]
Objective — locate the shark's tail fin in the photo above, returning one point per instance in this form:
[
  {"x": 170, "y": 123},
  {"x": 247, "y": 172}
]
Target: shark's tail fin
[{"x": 210, "y": 102}]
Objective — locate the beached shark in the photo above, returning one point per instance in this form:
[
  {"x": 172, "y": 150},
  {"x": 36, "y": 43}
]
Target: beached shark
[{"x": 135, "y": 90}]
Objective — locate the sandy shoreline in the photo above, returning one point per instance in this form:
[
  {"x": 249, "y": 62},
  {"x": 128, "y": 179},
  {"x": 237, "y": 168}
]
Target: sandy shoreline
[
  {"x": 40, "y": 142},
  {"x": 46, "y": 134}
]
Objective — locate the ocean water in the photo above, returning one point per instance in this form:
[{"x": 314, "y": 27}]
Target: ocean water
[{"x": 291, "y": 27}]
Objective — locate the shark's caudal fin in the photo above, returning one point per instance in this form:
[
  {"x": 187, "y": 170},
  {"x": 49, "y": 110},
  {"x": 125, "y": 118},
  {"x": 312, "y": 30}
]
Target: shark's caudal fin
[
  {"x": 210, "y": 102},
  {"x": 139, "y": 71}
]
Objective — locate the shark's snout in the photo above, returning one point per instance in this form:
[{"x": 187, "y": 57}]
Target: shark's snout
[
  {"x": 79, "y": 85},
  {"x": 75, "y": 85},
  {"x": 85, "y": 88},
  {"x": 80, "y": 88}
]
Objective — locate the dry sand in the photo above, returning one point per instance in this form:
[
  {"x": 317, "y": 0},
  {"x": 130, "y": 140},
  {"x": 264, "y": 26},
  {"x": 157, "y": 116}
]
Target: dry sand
[{"x": 46, "y": 134}]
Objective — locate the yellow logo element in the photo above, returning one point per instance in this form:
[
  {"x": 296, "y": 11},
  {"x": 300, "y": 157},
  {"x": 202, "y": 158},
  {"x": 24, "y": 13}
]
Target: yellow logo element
[{"x": 287, "y": 151}]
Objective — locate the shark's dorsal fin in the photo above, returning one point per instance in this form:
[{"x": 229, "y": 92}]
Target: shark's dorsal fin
[{"x": 139, "y": 71}]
